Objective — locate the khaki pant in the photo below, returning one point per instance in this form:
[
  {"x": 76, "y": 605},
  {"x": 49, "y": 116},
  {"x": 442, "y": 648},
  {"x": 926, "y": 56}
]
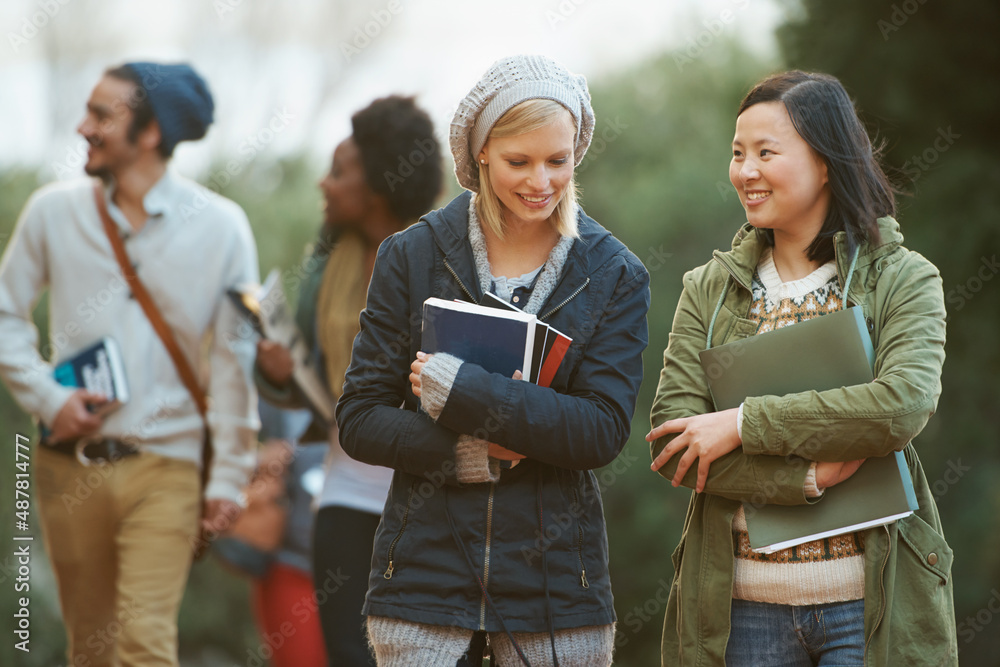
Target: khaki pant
[{"x": 119, "y": 537}]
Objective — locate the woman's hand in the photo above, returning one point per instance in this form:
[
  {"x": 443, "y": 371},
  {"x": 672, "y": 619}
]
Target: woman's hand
[
  {"x": 415, "y": 368},
  {"x": 275, "y": 362},
  {"x": 418, "y": 365},
  {"x": 495, "y": 450},
  {"x": 220, "y": 515},
  {"x": 704, "y": 437},
  {"x": 829, "y": 473}
]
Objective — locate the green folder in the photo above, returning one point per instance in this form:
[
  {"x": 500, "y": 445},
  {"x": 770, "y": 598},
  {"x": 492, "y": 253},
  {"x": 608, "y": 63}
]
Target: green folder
[{"x": 823, "y": 353}]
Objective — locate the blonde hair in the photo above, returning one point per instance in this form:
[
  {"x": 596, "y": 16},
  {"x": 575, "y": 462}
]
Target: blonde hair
[{"x": 525, "y": 117}]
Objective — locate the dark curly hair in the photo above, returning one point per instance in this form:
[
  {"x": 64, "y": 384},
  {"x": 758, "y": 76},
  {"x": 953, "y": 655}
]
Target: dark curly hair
[
  {"x": 400, "y": 154},
  {"x": 825, "y": 117}
]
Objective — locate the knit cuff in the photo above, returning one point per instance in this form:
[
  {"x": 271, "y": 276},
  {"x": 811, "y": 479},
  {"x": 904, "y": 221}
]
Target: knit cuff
[
  {"x": 436, "y": 379},
  {"x": 473, "y": 464},
  {"x": 810, "y": 487},
  {"x": 399, "y": 643}
]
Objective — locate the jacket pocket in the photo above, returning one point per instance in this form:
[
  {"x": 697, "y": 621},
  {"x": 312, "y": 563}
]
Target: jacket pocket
[
  {"x": 922, "y": 615},
  {"x": 391, "y": 552},
  {"x": 928, "y": 547}
]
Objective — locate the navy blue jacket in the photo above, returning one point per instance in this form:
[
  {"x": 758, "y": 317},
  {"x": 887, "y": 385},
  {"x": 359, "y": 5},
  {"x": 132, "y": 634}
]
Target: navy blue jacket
[{"x": 539, "y": 532}]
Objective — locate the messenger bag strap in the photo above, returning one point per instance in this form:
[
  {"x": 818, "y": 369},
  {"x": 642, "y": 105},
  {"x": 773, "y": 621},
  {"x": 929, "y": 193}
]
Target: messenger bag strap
[{"x": 166, "y": 335}]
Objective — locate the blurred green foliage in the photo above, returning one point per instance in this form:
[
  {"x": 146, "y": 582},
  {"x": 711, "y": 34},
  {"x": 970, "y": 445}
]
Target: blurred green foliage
[{"x": 924, "y": 75}]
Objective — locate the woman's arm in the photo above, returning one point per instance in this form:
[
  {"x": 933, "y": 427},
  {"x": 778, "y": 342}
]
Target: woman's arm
[
  {"x": 683, "y": 393},
  {"x": 879, "y": 417},
  {"x": 587, "y": 426}
]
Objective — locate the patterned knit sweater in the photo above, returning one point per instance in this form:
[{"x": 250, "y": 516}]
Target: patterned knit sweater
[{"x": 828, "y": 570}]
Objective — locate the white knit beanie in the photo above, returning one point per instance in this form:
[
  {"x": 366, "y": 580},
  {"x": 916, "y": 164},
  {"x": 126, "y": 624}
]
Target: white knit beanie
[{"x": 507, "y": 83}]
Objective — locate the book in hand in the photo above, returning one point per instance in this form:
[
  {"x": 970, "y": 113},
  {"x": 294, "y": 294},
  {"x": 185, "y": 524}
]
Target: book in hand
[
  {"x": 819, "y": 354},
  {"x": 500, "y": 340},
  {"x": 870, "y": 497},
  {"x": 550, "y": 346},
  {"x": 266, "y": 307},
  {"x": 556, "y": 346},
  {"x": 100, "y": 369}
]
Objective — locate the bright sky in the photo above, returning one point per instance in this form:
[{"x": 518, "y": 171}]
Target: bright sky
[{"x": 259, "y": 72}]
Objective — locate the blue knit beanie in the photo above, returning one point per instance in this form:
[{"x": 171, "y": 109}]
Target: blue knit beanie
[{"x": 180, "y": 99}]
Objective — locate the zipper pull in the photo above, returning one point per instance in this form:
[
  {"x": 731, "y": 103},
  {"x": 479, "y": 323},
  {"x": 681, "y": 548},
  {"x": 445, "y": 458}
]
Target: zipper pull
[
  {"x": 583, "y": 579},
  {"x": 388, "y": 572}
]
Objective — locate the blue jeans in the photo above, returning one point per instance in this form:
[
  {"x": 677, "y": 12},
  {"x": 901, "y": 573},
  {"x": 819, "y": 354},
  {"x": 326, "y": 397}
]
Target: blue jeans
[{"x": 776, "y": 635}]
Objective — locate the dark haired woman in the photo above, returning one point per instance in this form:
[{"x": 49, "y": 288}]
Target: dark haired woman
[
  {"x": 819, "y": 237},
  {"x": 363, "y": 207}
]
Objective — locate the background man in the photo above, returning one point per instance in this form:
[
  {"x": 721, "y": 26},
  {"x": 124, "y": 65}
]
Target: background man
[{"x": 120, "y": 541}]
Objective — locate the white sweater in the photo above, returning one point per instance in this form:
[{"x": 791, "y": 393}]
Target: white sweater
[{"x": 194, "y": 245}]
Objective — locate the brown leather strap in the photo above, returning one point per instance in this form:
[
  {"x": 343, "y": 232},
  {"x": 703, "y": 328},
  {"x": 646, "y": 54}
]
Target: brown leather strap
[{"x": 166, "y": 335}]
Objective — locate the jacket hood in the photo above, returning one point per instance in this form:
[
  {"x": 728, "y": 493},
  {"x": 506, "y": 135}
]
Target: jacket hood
[{"x": 450, "y": 228}]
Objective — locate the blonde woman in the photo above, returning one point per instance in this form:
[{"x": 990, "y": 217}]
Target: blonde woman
[{"x": 493, "y": 525}]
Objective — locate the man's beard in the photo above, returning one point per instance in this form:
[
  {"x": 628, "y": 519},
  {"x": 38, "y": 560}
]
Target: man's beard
[{"x": 103, "y": 173}]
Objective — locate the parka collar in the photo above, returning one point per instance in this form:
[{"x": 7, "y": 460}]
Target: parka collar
[{"x": 748, "y": 244}]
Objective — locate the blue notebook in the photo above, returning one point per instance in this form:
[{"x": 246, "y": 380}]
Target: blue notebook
[
  {"x": 98, "y": 368},
  {"x": 501, "y": 341}
]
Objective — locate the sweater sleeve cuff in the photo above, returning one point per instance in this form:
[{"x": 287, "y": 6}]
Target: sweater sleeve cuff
[
  {"x": 810, "y": 488},
  {"x": 52, "y": 402},
  {"x": 473, "y": 464},
  {"x": 436, "y": 380},
  {"x": 234, "y": 458}
]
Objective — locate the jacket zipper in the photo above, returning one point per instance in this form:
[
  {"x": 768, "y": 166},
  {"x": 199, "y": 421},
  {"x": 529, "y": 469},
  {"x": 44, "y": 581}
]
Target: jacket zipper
[
  {"x": 579, "y": 545},
  {"x": 881, "y": 583},
  {"x": 489, "y": 507},
  {"x": 566, "y": 300},
  {"x": 392, "y": 546},
  {"x": 543, "y": 317},
  {"x": 459, "y": 281},
  {"x": 486, "y": 556}
]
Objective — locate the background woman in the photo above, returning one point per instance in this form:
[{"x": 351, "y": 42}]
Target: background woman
[
  {"x": 494, "y": 519},
  {"x": 363, "y": 206},
  {"x": 818, "y": 211}
]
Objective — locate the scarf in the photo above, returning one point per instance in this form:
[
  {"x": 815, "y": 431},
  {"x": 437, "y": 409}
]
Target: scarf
[{"x": 342, "y": 295}]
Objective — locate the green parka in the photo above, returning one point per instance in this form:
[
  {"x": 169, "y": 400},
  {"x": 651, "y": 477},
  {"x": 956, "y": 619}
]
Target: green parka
[{"x": 909, "y": 612}]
